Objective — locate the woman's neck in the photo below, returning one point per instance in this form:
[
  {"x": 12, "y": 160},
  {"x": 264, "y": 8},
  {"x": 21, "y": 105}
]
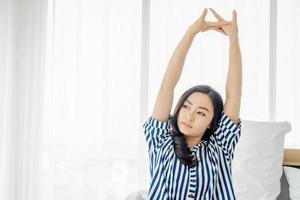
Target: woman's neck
[{"x": 192, "y": 141}]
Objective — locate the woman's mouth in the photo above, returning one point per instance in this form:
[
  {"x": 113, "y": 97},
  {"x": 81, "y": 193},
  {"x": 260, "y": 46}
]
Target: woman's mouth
[{"x": 186, "y": 125}]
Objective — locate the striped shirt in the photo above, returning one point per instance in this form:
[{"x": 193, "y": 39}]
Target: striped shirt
[{"x": 210, "y": 179}]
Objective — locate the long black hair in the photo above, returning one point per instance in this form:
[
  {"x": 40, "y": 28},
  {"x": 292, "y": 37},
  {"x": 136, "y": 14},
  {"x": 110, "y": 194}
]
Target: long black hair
[{"x": 179, "y": 139}]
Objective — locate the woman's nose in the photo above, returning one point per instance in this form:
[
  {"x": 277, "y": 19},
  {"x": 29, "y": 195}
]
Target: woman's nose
[{"x": 190, "y": 117}]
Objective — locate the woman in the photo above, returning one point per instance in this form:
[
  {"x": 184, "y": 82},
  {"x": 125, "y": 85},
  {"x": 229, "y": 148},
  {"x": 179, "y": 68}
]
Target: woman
[{"x": 191, "y": 151}]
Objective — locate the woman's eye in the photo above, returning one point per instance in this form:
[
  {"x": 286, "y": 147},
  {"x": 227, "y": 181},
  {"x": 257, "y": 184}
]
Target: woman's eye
[{"x": 201, "y": 113}]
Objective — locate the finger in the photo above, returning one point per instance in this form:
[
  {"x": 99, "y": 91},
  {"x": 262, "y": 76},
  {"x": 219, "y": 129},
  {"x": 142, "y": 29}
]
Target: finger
[
  {"x": 221, "y": 31},
  {"x": 217, "y": 29},
  {"x": 211, "y": 28},
  {"x": 204, "y": 13},
  {"x": 214, "y": 24},
  {"x": 214, "y": 28},
  {"x": 216, "y": 15},
  {"x": 234, "y": 16}
]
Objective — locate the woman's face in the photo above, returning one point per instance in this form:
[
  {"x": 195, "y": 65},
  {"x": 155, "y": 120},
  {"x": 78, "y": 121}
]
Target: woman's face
[{"x": 195, "y": 115}]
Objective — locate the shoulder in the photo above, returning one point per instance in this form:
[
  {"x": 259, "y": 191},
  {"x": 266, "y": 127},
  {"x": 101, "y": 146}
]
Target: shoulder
[
  {"x": 155, "y": 123},
  {"x": 226, "y": 121}
]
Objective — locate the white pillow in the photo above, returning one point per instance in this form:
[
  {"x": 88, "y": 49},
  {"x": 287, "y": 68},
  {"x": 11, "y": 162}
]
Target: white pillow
[
  {"x": 293, "y": 178},
  {"x": 258, "y": 157}
]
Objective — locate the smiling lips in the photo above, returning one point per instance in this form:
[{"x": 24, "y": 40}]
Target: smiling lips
[{"x": 187, "y": 125}]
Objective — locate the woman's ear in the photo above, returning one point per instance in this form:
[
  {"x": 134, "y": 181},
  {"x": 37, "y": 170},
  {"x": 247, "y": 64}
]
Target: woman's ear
[{"x": 209, "y": 125}]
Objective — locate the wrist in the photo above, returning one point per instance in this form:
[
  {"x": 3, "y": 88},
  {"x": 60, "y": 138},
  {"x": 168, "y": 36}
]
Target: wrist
[
  {"x": 233, "y": 39},
  {"x": 191, "y": 31}
]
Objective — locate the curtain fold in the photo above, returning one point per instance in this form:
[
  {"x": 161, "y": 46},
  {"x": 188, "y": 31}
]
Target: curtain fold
[{"x": 23, "y": 34}]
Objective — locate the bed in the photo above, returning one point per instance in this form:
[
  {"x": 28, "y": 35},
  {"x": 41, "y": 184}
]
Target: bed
[{"x": 291, "y": 159}]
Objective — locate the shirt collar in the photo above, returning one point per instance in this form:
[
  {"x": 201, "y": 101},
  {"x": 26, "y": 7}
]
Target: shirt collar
[{"x": 202, "y": 143}]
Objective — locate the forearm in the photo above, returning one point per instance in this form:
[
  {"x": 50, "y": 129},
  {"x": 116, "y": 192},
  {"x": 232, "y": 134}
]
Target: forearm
[
  {"x": 234, "y": 76},
  {"x": 176, "y": 62}
]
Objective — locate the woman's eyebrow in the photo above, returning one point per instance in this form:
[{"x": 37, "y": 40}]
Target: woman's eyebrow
[{"x": 201, "y": 107}]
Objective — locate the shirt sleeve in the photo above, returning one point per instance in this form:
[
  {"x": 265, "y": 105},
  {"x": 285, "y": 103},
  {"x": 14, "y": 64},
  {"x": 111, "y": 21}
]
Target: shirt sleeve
[
  {"x": 156, "y": 132},
  {"x": 227, "y": 134}
]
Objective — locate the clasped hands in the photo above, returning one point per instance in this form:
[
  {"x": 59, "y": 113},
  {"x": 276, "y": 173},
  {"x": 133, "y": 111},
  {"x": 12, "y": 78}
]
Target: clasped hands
[{"x": 228, "y": 28}]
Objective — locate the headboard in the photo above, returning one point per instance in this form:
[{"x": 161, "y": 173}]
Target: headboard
[{"x": 291, "y": 157}]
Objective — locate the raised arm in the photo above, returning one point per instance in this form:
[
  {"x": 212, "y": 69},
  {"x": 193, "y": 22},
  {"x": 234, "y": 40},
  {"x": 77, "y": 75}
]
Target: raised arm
[
  {"x": 234, "y": 75},
  {"x": 164, "y": 99},
  {"x": 172, "y": 75},
  {"x": 234, "y": 81}
]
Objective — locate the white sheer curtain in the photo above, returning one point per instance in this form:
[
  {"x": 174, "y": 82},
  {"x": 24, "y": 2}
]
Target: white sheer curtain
[
  {"x": 70, "y": 128},
  {"x": 288, "y": 69},
  {"x": 22, "y": 59},
  {"x": 92, "y": 129}
]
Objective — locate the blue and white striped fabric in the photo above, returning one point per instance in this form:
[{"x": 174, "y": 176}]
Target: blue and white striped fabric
[{"x": 210, "y": 179}]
